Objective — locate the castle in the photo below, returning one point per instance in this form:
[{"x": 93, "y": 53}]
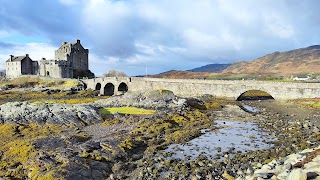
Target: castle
[{"x": 71, "y": 61}]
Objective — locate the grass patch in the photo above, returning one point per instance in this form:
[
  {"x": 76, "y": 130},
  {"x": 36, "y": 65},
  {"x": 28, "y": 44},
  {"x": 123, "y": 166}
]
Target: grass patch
[
  {"x": 105, "y": 112},
  {"x": 66, "y": 97},
  {"x": 68, "y": 101},
  {"x": 259, "y": 77},
  {"x": 29, "y": 82},
  {"x": 256, "y": 93},
  {"x": 310, "y": 102}
]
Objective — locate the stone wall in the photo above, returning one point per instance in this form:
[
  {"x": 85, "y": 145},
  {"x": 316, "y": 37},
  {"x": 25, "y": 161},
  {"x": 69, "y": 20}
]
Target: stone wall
[
  {"x": 13, "y": 69},
  {"x": 55, "y": 69},
  {"x": 79, "y": 57},
  {"x": 26, "y": 66},
  {"x": 75, "y": 53},
  {"x": 219, "y": 88},
  {"x": 69, "y": 57}
]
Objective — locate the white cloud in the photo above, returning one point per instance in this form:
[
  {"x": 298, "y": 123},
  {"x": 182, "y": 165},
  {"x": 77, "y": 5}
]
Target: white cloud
[
  {"x": 278, "y": 26},
  {"x": 36, "y": 51},
  {"x": 179, "y": 34},
  {"x": 3, "y": 33}
]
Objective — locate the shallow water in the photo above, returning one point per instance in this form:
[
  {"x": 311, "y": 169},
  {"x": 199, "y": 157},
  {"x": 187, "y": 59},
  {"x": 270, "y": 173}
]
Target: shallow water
[
  {"x": 250, "y": 108},
  {"x": 238, "y": 136}
]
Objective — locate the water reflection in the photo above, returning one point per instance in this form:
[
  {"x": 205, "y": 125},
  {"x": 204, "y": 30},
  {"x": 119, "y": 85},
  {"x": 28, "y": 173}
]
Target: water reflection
[{"x": 232, "y": 137}]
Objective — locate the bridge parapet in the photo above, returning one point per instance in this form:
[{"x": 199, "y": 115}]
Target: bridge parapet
[{"x": 221, "y": 88}]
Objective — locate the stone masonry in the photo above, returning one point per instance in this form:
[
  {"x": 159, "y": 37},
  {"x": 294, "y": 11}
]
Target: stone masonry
[
  {"x": 69, "y": 57},
  {"x": 195, "y": 87}
]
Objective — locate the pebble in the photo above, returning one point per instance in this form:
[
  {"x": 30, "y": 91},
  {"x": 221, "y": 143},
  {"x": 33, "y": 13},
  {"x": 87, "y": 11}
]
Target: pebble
[{"x": 282, "y": 169}]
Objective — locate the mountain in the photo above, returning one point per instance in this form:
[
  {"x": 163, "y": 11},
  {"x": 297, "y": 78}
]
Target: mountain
[
  {"x": 174, "y": 74},
  {"x": 211, "y": 68},
  {"x": 298, "y": 61}
]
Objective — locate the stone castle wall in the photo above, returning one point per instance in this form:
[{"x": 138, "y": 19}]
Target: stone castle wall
[
  {"x": 13, "y": 69},
  {"x": 69, "y": 57},
  {"x": 74, "y": 53}
]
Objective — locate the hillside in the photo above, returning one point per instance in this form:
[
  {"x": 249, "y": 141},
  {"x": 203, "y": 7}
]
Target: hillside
[
  {"x": 298, "y": 61},
  {"x": 174, "y": 74},
  {"x": 211, "y": 68}
]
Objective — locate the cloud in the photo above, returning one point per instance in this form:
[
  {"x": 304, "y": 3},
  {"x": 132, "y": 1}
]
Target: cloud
[
  {"x": 163, "y": 35},
  {"x": 35, "y": 50}
]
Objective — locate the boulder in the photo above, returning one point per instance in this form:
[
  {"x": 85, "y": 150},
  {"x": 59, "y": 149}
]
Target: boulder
[{"x": 25, "y": 112}]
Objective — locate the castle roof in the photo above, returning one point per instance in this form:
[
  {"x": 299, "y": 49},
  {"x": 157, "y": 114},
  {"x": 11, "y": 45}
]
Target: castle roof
[{"x": 16, "y": 58}]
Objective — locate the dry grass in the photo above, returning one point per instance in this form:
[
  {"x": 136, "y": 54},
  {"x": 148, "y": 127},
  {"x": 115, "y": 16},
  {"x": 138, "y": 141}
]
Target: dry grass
[{"x": 28, "y": 82}]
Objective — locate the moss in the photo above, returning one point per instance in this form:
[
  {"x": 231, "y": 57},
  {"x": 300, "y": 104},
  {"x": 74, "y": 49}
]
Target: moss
[
  {"x": 56, "y": 97},
  {"x": 125, "y": 110},
  {"x": 213, "y": 106},
  {"x": 227, "y": 176},
  {"x": 18, "y": 150},
  {"x": 127, "y": 144},
  {"x": 172, "y": 128},
  {"x": 268, "y": 160},
  {"x": 71, "y": 83},
  {"x": 164, "y": 91},
  {"x": 38, "y": 174},
  {"x": 110, "y": 122},
  {"x": 182, "y": 135}
]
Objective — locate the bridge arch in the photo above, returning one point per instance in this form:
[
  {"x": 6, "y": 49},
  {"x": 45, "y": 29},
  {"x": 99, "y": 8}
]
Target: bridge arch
[
  {"x": 108, "y": 89},
  {"x": 254, "y": 95},
  {"x": 85, "y": 86},
  {"x": 98, "y": 87},
  {"x": 123, "y": 87}
]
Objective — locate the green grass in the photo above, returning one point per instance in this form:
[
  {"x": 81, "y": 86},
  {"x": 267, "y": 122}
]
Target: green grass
[
  {"x": 105, "y": 112},
  {"x": 259, "y": 77},
  {"x": 255, "y": 93}
]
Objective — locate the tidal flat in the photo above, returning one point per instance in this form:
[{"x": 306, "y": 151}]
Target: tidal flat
[{"x": 47, "y": 137}]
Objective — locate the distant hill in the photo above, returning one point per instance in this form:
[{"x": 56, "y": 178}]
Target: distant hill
[
  {"x": 2, "y": 73},
  {"x": 211, "y": 68},
  {"x": 298, "y": 61},
  {"x": 174, "y": 74}
]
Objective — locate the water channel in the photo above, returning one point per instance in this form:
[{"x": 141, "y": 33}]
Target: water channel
[{"x": 231, "y": 136}]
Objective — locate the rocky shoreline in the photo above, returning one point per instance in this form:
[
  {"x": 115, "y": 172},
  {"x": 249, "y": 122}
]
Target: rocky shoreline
[
  {"x": 301, "y": 165},
  {"x": 134, "y": 146}
]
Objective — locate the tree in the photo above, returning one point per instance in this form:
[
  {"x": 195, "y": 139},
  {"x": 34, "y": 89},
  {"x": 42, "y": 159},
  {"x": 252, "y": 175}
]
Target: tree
[
  {"x": 110, "y": 73},
  {"x": 121, "y": 74},
  {"x": 114, "y": 73}
]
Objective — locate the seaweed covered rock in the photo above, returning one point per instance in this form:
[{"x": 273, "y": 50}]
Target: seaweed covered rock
[
  {"x": 150, "y": 100},
  {"x": 25, "y": 112}
]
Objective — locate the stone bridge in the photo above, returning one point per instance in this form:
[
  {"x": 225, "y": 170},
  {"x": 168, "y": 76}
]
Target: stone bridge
[{"x": 195, "y": 87}]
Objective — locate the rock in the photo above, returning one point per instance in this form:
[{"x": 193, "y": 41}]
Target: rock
[
  {"x": 200, "y": 163},
  {"x": 25, "y": 112},
  {"x": 312, "y": 175},
  {"x": 297, "y": 174},
  {"x": 196, "y": 103},
  {"x": 240, "y": 173},
  {"x": 149, "y": 99},
  {"x": 264, "y": 175},
  {"x": 283, "y": 175},
  {"x": 250, "y": 171}
]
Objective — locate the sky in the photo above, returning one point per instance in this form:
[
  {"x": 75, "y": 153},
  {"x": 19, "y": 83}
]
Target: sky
[{"x": 152, "y": 36}]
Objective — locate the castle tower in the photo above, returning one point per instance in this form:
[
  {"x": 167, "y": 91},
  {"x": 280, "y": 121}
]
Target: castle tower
[{"x": 75, "y": 54}]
